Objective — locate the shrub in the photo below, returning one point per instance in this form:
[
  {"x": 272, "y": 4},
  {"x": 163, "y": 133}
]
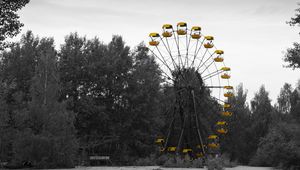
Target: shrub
[
  {"x": 226, "y": 161},
  {"x": 214, "y": 163},
  {"x": 43, "y": 151},
  {"x": 179, "y": 162},
  {"x": 148, "y": 161},
  {"x": 162, "y": 159},
  {"x": 279, "y": 148}
]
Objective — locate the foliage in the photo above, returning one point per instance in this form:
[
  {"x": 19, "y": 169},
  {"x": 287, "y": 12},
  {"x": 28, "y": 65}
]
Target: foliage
[
  {"x": 114, "y": 93},
  {"x": 179, "y": 162},
  {"x": 168, "y": 160},
  {"x": 292, "y": 56},
  {"x": 17, "y": 70},
  {"x": 261, "y": 119},
  {"x": 284, "y": 99},
  {"x": 110, "y": 99},
  {"x": 239, "y": 125},
  {"x": 280, "y": 147},
  {"x": 214, "y": 163},
  {"x": 148, "y": 161},
  {"x": 9, "y": 20},
  {"x": 295, "y": 104},
  {"x": 43, "y": 131}
]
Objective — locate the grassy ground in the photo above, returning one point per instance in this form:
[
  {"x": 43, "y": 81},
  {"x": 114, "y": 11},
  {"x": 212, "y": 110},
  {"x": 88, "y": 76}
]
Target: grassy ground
[{"x": 159, "y": 168}]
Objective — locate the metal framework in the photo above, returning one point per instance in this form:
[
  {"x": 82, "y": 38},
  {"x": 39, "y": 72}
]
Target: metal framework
[{"x": 195, "y": 69}]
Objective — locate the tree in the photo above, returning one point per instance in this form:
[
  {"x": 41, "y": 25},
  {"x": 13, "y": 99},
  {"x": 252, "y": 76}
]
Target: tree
[
  {"x": 295, "y": 104},
  {"x": 284, "y": 99},
  {"x": 47, "y": 139},
  {"x": 143, "y": 103},
  {"x": 261, "y": 119},
  {"x": 114, "y": 94},
  {"x": 280, "y": 147},
  {"x": 292, "y": 57},
  {"x": 238, "y": 125},
  {"x": 9, "y": 19},
  {"x": 17, "y": 70}
]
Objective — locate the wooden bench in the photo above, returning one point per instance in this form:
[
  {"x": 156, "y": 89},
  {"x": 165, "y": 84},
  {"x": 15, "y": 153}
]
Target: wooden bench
[{"x": 100, "y": 160}]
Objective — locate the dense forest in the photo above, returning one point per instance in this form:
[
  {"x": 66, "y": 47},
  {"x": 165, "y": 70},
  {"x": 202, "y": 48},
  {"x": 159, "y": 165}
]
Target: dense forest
[{"x": 60, "y": 104}]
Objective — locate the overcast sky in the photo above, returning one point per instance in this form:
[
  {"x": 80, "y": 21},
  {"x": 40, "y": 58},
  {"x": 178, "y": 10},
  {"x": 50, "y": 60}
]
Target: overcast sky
[{"x": 253, "y": 33}]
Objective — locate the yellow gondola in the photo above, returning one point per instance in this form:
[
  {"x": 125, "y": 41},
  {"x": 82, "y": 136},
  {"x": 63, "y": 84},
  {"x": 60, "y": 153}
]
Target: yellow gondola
[
  {"x": 219, "y": 59},
  {"x": 167, "y": 34},
  {"x": 219, "y": 52},
  {"x": 153, "y": 43},
  {"x": 196, "y": 34},
  {"x": 212, "y": 137},
  {"x": 226, "y": 106},
  {"x": 213, "y": 141},
  {"x": 209, "y": 38},
  {"x": 199, "y": 155},
  {"x": 167, "y": 30},
  {"x": 226, "y": 114},
  {"x": 213, "y": 145},
  {"x": 228, "y": 94},
  {"x": 186, "y": 150},
  {"x": 172, "y": 149},
  {"x": 208, "y": 45},
  {"x": 159, "y": 141},
  {"x": 225, "y": 76},
  {"x": 199, "y": 146},
  {"x": 181, "y": 28},
  {"x": 221, "y": 123},
  {"x": 222, "y": 131},
  {"x": 225, "y": 68},
  {"x": 153, "y": 37},
  {"x": 228, "y": 87}
]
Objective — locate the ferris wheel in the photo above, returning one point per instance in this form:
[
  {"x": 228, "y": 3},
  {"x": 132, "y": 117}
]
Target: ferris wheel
[{"x": 194, "y": 69}]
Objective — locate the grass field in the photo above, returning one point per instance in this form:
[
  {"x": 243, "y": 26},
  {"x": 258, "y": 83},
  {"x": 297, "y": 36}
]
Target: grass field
[{"x": 160, "y": 168}]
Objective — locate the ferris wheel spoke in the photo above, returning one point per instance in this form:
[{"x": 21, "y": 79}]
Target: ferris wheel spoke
[
  {"x": 218, "y": 99},
  {"x": 194, "y": 56},
  {"x": 166, "y": 76},
  {"x": 188, "y": 40},
  {"x": 215, "y": 87},
  {"x": 206, "y": 61},
  {"x": 176, "y": 38},
  {"x": 161, "y": 59},
  {"x": 197, "y": 122},
  {"x": 197, "y": 51},
  {"x": 212, "y": 75},
  {"x": 218, "y": 76},
  {"x": 206, "y": 67},
  {"x": 199, "y": 66},
  {"x": 169, "y": 52}
]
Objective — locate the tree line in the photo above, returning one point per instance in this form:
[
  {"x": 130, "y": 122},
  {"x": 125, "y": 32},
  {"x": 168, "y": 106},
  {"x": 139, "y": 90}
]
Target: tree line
[
  {"x": 86, "y": 95},
  {"x": 89, "y": 97}
]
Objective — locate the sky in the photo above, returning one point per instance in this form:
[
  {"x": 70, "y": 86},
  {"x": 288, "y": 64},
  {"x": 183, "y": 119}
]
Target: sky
[{"x": 253, "y": 34}]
